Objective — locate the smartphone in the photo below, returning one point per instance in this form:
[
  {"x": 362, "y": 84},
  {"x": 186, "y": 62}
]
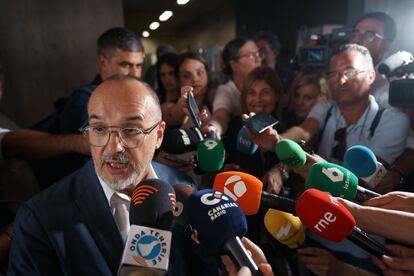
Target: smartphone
[
  {"x": 193, "y": 109},
  {"x": 260, "y": 122}
]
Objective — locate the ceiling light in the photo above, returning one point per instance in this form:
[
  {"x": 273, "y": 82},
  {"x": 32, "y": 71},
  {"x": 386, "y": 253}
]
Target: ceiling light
[
  {"x": 165, "y": 15},
  {"x": 154, "y": 25},
  {"x": 145, "y": 34},
  {"x": 182, "y": 2}
]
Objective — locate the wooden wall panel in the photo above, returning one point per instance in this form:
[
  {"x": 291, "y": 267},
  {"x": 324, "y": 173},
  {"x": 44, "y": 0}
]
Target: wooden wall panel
[{"x": 47, "y": 48}]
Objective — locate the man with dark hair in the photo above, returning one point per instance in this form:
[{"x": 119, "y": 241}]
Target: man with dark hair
[
  {"x": 376, "y": 31},
  {"x": 120, "y": 51},
  {"x": 72, "y": 228}
]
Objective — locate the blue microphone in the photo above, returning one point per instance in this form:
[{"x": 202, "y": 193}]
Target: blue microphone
[
  {"x": 362, "y": 162},
  {"x": 219, "y": 223},
  {"x": 244, "y": 142}
]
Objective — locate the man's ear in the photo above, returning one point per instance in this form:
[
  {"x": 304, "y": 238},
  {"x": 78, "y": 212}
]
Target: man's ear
[
  {"x": 102, "y": 61},
  {"x": 371, "y": 77},
  {"x": 160, "y": 135}
]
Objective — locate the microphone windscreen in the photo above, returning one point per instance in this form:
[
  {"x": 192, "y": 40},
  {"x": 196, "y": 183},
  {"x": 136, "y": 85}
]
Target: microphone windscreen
[
  {"x": 360, "y": 160},
  {"x": 244, "y": 142},
  {"x": 216, "y": 218},
  {"x": 152, "y": 204},
  {"x": 332, "y": 178},
  {"x": 289, "y": 152},
  {"x": 180, "y": 140},
  {"x": 324, "y": 215},
  {"x": 242, "y": 187},
  {"x": 284, "y": 227},
  {"x": 210, "y": 155},
  {"x": 182, "y": 193}
]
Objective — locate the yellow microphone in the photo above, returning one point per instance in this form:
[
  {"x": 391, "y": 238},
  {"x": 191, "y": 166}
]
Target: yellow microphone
[{"x": 284, "y": 227}]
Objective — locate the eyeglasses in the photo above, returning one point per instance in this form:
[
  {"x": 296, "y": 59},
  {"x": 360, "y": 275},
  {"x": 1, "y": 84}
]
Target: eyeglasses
[
  {"x": 129, "y": 137},
  {"x": 349, "y": 74},
  {"x": 368, "y": 36},
  {"x": 338, "y": 151},
  {"x": 251, "y": 55}
]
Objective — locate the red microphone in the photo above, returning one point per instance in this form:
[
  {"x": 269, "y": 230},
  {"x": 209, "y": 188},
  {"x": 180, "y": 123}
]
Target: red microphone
[
  {"x": 325, "y": 216},
  {"x": 247, "y": 191}
]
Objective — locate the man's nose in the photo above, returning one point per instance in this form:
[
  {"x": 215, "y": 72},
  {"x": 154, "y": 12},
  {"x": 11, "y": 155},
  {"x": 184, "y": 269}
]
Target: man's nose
[
  {"x": 135, "y": 72},
  {"x": 114, "y": 142}
]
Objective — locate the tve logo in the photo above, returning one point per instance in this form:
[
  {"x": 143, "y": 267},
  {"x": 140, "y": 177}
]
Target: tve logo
[
  {"x": 234, "y": 187},
  {"x": 213, "y": 198}
]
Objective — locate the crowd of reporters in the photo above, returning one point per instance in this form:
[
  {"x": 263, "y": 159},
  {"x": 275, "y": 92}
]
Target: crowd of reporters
[{"x": 317, "y": 115}]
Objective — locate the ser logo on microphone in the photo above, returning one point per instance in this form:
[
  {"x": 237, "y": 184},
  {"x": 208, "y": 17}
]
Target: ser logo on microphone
[
  {"x": 149, "y": 247},
  {"x": 234, "y": 187}
]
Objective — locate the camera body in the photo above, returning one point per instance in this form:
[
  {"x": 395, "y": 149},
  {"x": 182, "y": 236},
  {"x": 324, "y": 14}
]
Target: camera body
[{"x": 319, "y": 52}]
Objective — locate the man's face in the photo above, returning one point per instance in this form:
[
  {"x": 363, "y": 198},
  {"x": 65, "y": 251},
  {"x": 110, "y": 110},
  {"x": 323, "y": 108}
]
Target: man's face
[
  {"x": 349, "y": 90},
  {"x": 123, "y": 63},
  {"x": 123, "y": 104},
  {"x": 269, "y": 57},
  {"x": 370, "y": 33}
]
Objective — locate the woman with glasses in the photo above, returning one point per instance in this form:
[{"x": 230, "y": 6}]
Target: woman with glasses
[{"x": 240, "y": 56}]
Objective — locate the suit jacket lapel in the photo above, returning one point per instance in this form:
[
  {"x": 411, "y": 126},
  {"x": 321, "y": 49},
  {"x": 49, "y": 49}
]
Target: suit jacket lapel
[{"x": 94, "y": 206}]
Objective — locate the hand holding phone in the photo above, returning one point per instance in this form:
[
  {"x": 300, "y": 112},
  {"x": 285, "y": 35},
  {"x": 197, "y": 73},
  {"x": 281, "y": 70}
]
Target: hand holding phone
[{"x": 260, "y": 122}]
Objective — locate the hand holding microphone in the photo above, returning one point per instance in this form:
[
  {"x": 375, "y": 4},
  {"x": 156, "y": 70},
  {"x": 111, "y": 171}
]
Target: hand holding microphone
[
  {"x": 397, "y": 200},
  {"x": 338, "y": 181},
  {"x": 220, "y": 223},
  {"x": 325, "y": 216},
  {"x": 247, "y": 191}
]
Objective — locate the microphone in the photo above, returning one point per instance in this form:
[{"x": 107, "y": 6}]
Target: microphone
[
  {"x": 210, "y": 155},
  {"x": 327, "y": 217},
  {"x": 289, "y": 152},
  {"x": 244, "y": 143},
  {"x": 181, "y": 140},
  {"x": 148, "y": 244},
  {"x": 362, "y": 161},
  {"x": 395, "y": 64},
  {"x": 182, "y": 193},
  {"x": 284, "y": 227},
  {"x": 247, "y": 191},
  {"x": 338, "y": 181},
  {"x": 219, "y": 223}
]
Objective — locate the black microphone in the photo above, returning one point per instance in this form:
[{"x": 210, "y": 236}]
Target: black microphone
[
  {"x": 148, "y": 244},
  {"x": 182, "y": 193},
  {"x": 181, "y": 140}
]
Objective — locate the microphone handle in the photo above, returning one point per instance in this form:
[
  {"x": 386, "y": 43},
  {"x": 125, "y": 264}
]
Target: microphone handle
[
  {"x": 365, "y": 194},
  {"x": 239, "y": 254},
  {"x": 367, "y": 243},
  {"x": 280, "y": 203}
]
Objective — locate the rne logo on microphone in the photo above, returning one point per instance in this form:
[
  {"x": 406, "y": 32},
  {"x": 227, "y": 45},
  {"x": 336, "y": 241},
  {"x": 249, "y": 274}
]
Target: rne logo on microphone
[
  {"x": 327, "y": 219},
  {"x": 213, "y": 198},
  {"x": 148, "y": 247},
  {"x": 234, "y": 187},
  {"x": 141, "y": 193}
]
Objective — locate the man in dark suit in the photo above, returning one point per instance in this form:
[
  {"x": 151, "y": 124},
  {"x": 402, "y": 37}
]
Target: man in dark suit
[{"x": 70, "y": 227}]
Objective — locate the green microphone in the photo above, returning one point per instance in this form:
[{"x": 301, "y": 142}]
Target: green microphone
[
  {"x": 210, "y": 155},
  {"x": 290, "y": 153},
  {"x": 336, "y": 180}
]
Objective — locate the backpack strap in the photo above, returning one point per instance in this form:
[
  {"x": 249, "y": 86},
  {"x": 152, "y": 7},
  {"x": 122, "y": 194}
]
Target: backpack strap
[{"x": 376, "y": 121}]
